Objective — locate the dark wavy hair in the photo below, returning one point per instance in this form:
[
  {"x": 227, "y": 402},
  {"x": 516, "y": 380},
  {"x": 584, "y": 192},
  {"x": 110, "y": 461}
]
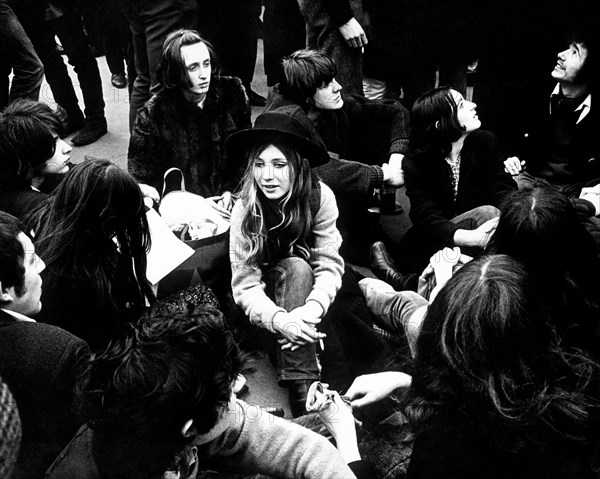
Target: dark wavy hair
[
  {"x": 12, "y": 269},
  {"x": 95, "y": 229},
  {"x": 172, "y": 73},
  {"x": 304, "y": 71},
  {"x": 268, "y": 227},
  {"x": 490, "y": 352},
  {"x": 138, "y": 394},
  {"x": 26, "y": 140},
  {"x": 434, "y": 122},
  {"x": 586, "y": 34}
]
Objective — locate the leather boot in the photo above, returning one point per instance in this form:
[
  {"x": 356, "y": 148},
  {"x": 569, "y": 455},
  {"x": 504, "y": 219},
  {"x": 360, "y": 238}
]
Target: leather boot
[
  {"x": 384, "y": 268},
  {"x": 297, "y": 392}
]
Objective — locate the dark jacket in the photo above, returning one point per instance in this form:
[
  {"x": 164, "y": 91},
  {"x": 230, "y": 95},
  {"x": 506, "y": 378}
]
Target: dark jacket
[
  {"x": 562, "y": 155},
  {"x": 170, "y": 132},
  {"x": 22, "y": 202},
  {"x": 362, "y": 135},
  {"x": 482, "y": 181},
  {"x": 40, "y": 363}
]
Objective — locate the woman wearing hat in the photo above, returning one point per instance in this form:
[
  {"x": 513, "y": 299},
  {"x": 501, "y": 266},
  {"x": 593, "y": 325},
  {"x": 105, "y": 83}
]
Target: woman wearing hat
[{"x": 286, "y": 269}]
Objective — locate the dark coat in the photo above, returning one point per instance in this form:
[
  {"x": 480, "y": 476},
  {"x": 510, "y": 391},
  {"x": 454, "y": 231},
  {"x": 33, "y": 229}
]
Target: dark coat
[
  {"x": 482, "y": 181},
  {"x": 40, "y": 363},
  {"x": 21, "y": 202},
  {"x": 534, "y": 136},
  {"x": 170, "y": 132}
]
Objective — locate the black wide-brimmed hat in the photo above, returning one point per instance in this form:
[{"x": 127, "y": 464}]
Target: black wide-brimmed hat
[{"x": 286, "y": 125}]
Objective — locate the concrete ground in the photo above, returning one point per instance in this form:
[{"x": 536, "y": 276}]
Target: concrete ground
[{"x": 263, "y": 389}]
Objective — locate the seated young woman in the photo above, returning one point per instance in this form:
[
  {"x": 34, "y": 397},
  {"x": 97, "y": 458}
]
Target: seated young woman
[
  {"x": 93, "y": 236},
  {"x": 31, "y": 151},
  {"x": 455, "y": 181},
  {"x": 186, "y": 124},
  {"x": 286, "y": 269}
]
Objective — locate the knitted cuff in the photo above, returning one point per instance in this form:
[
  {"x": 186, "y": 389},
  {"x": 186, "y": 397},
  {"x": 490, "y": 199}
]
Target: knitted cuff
[
  {"x": 376, "y": 177},
  {"x": 399, "y": 146}
]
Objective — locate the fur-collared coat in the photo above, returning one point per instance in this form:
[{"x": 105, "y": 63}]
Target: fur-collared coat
[{"x": 170, "y": 131}]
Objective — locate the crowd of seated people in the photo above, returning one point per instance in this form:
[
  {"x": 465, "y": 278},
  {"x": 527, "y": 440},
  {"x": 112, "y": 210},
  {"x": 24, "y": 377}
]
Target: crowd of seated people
[{"x": 494, "y": 288}]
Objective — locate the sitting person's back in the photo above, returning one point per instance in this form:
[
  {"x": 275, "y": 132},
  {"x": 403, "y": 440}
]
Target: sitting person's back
[
  {"x": 160, "y": 398},
  {"x": 93, "y": 236}
]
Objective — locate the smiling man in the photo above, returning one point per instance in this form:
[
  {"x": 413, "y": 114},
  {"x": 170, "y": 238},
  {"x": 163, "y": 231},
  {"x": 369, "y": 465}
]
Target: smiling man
[{"x": 555, "y": 137}]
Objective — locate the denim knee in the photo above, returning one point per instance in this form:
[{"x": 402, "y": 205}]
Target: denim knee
[{"x": 289, "y": 282}]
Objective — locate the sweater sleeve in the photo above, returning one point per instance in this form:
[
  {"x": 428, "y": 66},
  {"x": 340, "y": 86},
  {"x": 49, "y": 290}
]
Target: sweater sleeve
[
  {"x": 350, "y": 177},
  {"x": 257, "y": 442},
  {"x": 327, "y": 264},
  {"x": 147, "y": 150},
  {"x": 246, "y": 281}
]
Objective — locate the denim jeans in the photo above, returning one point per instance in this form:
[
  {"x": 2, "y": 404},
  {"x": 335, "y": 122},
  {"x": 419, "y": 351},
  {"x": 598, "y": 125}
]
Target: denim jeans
[
  {"x": 288, "y": 284},
  {"x": 17, "y": 54},
  {"x": 394, "y": 311},
  {"x": 150, "y": 22},
  {"x": 473, "y": 219}
]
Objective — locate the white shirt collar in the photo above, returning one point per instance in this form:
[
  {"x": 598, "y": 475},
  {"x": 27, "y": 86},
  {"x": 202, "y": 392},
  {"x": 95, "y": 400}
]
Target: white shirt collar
[
  {"x": 18, "y": 316},
  {"x": 584, "y": 107}
]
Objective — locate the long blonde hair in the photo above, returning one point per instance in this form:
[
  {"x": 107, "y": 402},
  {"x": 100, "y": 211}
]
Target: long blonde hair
[{"x": 289, "y": 226}]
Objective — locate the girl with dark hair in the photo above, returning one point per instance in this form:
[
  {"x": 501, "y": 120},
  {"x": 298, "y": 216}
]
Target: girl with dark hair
[
  {"x": 284, "y": 242},
  {"x": 94, "y": 237},
  {"x": 455, "y": 179},
  {"x": 186, "y": 124},
  {"x": 495, "y": 391},
  {"x": 32, "y": 155}
]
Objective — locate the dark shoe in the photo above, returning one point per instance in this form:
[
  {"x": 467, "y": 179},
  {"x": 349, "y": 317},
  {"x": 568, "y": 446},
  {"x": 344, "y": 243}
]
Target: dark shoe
[
  {"x": 276, "y": 411},
  {"x": 255, "y": 98},
  {"x": 90, "y": 132},
  {"x": 118, "y": 80},
  {"x": 384, "y": 268},
  {"x": 297, "y": 392}
]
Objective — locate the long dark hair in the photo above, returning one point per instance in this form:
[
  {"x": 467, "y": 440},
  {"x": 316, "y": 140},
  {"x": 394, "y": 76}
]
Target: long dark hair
[
  {"x": 95, "y": 230},
  {"x": 489, "y": 351},
  {"x": 434, "y": 122},
  {"x": 539, "y": 227}
]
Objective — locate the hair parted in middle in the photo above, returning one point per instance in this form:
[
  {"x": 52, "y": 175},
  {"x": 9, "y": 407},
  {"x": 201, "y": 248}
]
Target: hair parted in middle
[
  {"x": 269, "y": 226},
  {"x": 304, "y": 71},
  {"x": 172, "y": 73},
  {"x": 434, "y": 122},
  {"x": 94, "y": 225},
  {"x": 489, "y": 349}
]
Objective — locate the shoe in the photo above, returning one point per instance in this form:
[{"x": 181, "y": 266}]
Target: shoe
[
  {"x": 255, "y": 98},
  {"x": 275, "y": 411},
  {"x": 71, "y": 123},
  {"x": 297, "y": 392},
  {"x": 384, "y": 268},
  {"x": 118, "y": 80},
  {"x": 90, "y": 132}
]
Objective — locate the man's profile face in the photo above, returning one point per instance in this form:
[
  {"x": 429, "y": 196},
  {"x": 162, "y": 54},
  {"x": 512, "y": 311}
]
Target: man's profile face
[
  {"x": 569, "y": 64},
  {"x": 197, "y": 63},
  {"x": 28, "y": 303}
]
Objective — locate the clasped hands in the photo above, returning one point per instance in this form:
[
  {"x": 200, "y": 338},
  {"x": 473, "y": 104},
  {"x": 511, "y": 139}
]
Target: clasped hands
[{"x": 299, "y": 326}]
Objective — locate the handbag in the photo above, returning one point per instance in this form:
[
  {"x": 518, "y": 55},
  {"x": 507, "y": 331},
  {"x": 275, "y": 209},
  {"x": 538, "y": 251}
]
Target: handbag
[{"x": 210, "y": 262}]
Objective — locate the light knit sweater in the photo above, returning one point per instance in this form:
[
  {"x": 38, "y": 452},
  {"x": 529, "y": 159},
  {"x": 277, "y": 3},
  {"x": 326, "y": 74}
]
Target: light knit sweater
[{"x": 327, "y": 264}]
